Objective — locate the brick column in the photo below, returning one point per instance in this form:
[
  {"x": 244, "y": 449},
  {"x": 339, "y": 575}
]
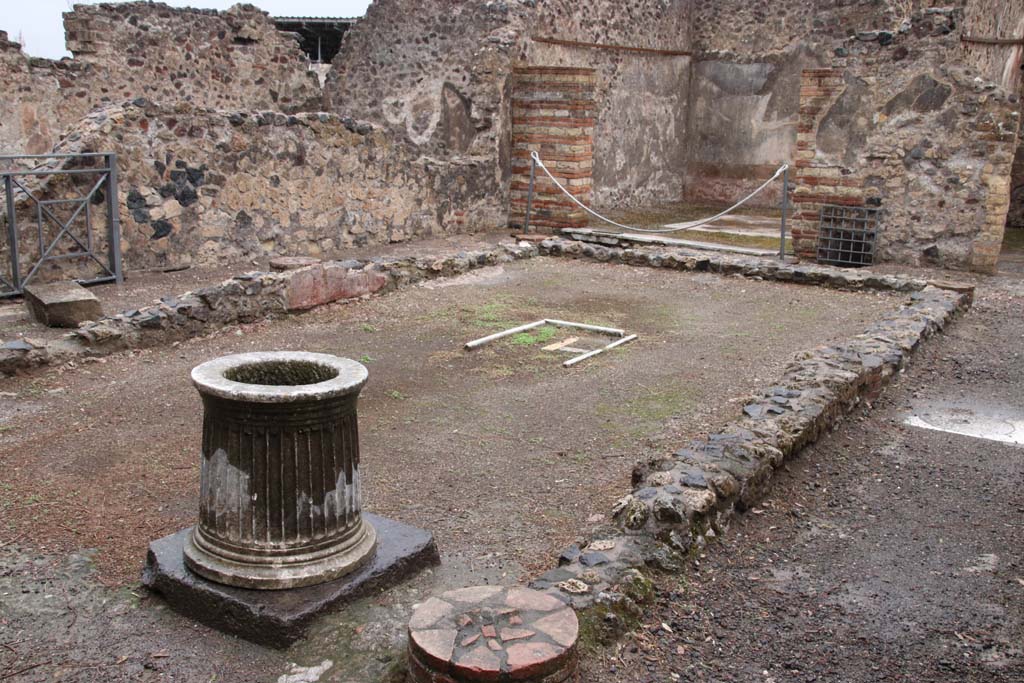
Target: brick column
[
  {"x": 817, "y": 182},
  {"x": 553, "y": 113}
]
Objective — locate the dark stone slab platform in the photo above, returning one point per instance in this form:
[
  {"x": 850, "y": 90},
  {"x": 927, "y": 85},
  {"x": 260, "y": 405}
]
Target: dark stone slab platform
[{"x": 278, "y": 618}]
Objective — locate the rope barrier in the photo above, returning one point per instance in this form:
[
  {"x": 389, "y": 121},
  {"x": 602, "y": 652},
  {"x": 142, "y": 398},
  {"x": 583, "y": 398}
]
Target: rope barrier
[{"x": 687, "y": 226}]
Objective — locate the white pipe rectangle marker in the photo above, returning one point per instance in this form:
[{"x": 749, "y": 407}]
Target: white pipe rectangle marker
[
  {"x": 522, "y": 328},
  {"x": 590, "y": 354}
]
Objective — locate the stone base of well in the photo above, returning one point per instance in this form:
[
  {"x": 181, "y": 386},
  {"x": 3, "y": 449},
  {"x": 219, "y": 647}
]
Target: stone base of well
[{"x": 278, "y": 618}]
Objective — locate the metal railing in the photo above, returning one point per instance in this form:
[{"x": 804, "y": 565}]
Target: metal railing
[{"x": 75, "y": 232}]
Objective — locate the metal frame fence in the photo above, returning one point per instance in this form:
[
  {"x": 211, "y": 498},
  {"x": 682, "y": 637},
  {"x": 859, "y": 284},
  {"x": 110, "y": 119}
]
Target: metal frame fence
[{"x": 14, "y": 189}]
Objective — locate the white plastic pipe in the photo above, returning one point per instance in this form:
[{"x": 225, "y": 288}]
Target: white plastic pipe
[
  {"x": 614, "y": 331},
  {"x": 498, "y": 335},
  {"x": 591, "y": 354}
]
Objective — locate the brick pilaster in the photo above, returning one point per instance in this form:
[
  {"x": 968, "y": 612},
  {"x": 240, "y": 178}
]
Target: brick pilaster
[{"x": 553, "y": 113}]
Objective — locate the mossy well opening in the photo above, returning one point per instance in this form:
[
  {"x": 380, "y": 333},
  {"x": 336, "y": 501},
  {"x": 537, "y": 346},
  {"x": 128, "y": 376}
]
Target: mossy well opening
[{"x": 281, "y": 373}]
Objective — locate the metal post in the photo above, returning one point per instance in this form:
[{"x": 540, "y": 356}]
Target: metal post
[
  {"x": 12, "y": 232},
  {"x": 785, "y": 210},
  {"x": 529, "y": 197},
  {"x": 113, "y": 218}
]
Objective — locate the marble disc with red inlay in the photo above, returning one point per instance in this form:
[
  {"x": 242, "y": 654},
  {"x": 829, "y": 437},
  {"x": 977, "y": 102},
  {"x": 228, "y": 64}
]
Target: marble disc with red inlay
[{"x": 493, "y": 633}]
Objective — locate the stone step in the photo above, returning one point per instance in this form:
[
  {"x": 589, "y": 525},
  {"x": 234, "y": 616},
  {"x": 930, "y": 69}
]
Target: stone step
[
  {"x": 626, "y": 238},
  {"x": 62, "y": 304}
]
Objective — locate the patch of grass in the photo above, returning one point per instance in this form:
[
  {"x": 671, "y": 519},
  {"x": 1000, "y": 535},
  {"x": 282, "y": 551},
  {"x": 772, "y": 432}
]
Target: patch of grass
[
  {"x": 538, "y": 335},
  {"x": 367, "y": 327},
  {"x": 645, "y": 412},
  {"x": 728, "y": 238},
  {"x": 657, "y": 406},
  {"x": 366, "y": 358},
  {"x": 397, "y": 395}
]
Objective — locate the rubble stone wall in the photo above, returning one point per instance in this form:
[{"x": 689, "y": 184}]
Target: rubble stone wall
[
  {"x": 1000, "y": 19},
  {"x": 1004, "y": 64},
  {"x": 440, "y": 75},
  {"x": 29, "y": 123},
  {"x": 932, "y": 148},
  {"x": 640, "y": 137},
  {"x": 885, "y": 115},
  {"x": 224, "y": 60},
  {"x": 200, "y": 186},
  {"x": 744, "y": 94}
]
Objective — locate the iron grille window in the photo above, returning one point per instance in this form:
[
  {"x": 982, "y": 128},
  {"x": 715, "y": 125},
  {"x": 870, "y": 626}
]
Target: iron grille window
[{"x": 846, "y": 235}]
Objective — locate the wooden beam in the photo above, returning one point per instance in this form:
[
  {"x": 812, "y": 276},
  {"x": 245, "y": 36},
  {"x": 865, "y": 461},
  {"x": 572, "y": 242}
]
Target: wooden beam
[
  {"x": 609, "y": 46},
  {"x": 992, "y": 41}
]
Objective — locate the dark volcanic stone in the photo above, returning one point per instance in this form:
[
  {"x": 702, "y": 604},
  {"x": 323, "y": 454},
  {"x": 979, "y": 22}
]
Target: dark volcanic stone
[
  {"x": 569, "y": 555},
  {"x": 161, "y": 228},
  {"x": 278, "y": 618}
]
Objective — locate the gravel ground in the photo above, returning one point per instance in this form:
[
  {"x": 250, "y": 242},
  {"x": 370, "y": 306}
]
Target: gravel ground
[
  {"x": 500, "y": 452},
  {"x": 884, "y": 553}
]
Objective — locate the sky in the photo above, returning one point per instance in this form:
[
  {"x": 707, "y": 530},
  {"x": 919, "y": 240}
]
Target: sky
[{"x": 37, "y": 24}]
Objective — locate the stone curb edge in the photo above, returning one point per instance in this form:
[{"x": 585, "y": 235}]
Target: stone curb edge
[
  {"x": 679, "y": 502},
  {"x": 247, "y": 298}
]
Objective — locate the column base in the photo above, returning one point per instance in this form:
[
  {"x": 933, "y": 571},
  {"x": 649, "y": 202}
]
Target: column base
[
  {"x": 278, "y": 618},
  {"x": 357, "y": 551}
]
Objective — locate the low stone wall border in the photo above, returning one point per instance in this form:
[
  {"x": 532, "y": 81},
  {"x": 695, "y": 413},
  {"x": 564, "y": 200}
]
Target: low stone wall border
[
  {"x": 680, "y": 502},
  {"x": 247, "y": 298}
]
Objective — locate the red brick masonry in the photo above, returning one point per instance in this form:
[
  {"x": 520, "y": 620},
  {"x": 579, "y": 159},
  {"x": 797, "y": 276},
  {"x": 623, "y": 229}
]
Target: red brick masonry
[
  {"x": 493, "y": 633},
  {"x": 553, "y": 114}
]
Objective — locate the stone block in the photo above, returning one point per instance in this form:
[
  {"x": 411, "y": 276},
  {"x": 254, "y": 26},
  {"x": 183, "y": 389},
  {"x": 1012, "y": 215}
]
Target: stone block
[
  {"x": 278, "y": 618},
  {"x": 62, "y": 304},
  {"x": 322, "y": 284}
]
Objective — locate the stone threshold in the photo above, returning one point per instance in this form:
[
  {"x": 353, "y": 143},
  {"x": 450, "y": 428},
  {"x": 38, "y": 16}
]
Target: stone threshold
[
  {"x": 247, "y": 298},
  {"x": 629, "y": 239},
  {"x": 679, "y": 503}
]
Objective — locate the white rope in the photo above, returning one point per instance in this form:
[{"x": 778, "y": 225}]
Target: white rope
[{"x": 693, "y": 224}]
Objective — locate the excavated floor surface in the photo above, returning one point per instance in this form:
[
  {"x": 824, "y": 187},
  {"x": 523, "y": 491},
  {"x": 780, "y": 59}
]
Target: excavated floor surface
[{"x": 503, "y": 454}]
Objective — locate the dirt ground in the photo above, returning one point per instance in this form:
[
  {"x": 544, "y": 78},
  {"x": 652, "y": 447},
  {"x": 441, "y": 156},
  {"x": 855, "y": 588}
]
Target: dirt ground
[
  {"x": 503, "y": 454},
  {"x": 884, "y": 553},
  {"x": 500, "y": 450}
]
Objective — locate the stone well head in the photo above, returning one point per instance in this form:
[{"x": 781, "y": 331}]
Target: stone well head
[{"x": 280, "y": 500}]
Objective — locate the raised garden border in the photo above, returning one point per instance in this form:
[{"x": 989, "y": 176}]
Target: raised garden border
[
  {"x": 678, "y": 502},
  {"x": 247, "y": 298}
]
